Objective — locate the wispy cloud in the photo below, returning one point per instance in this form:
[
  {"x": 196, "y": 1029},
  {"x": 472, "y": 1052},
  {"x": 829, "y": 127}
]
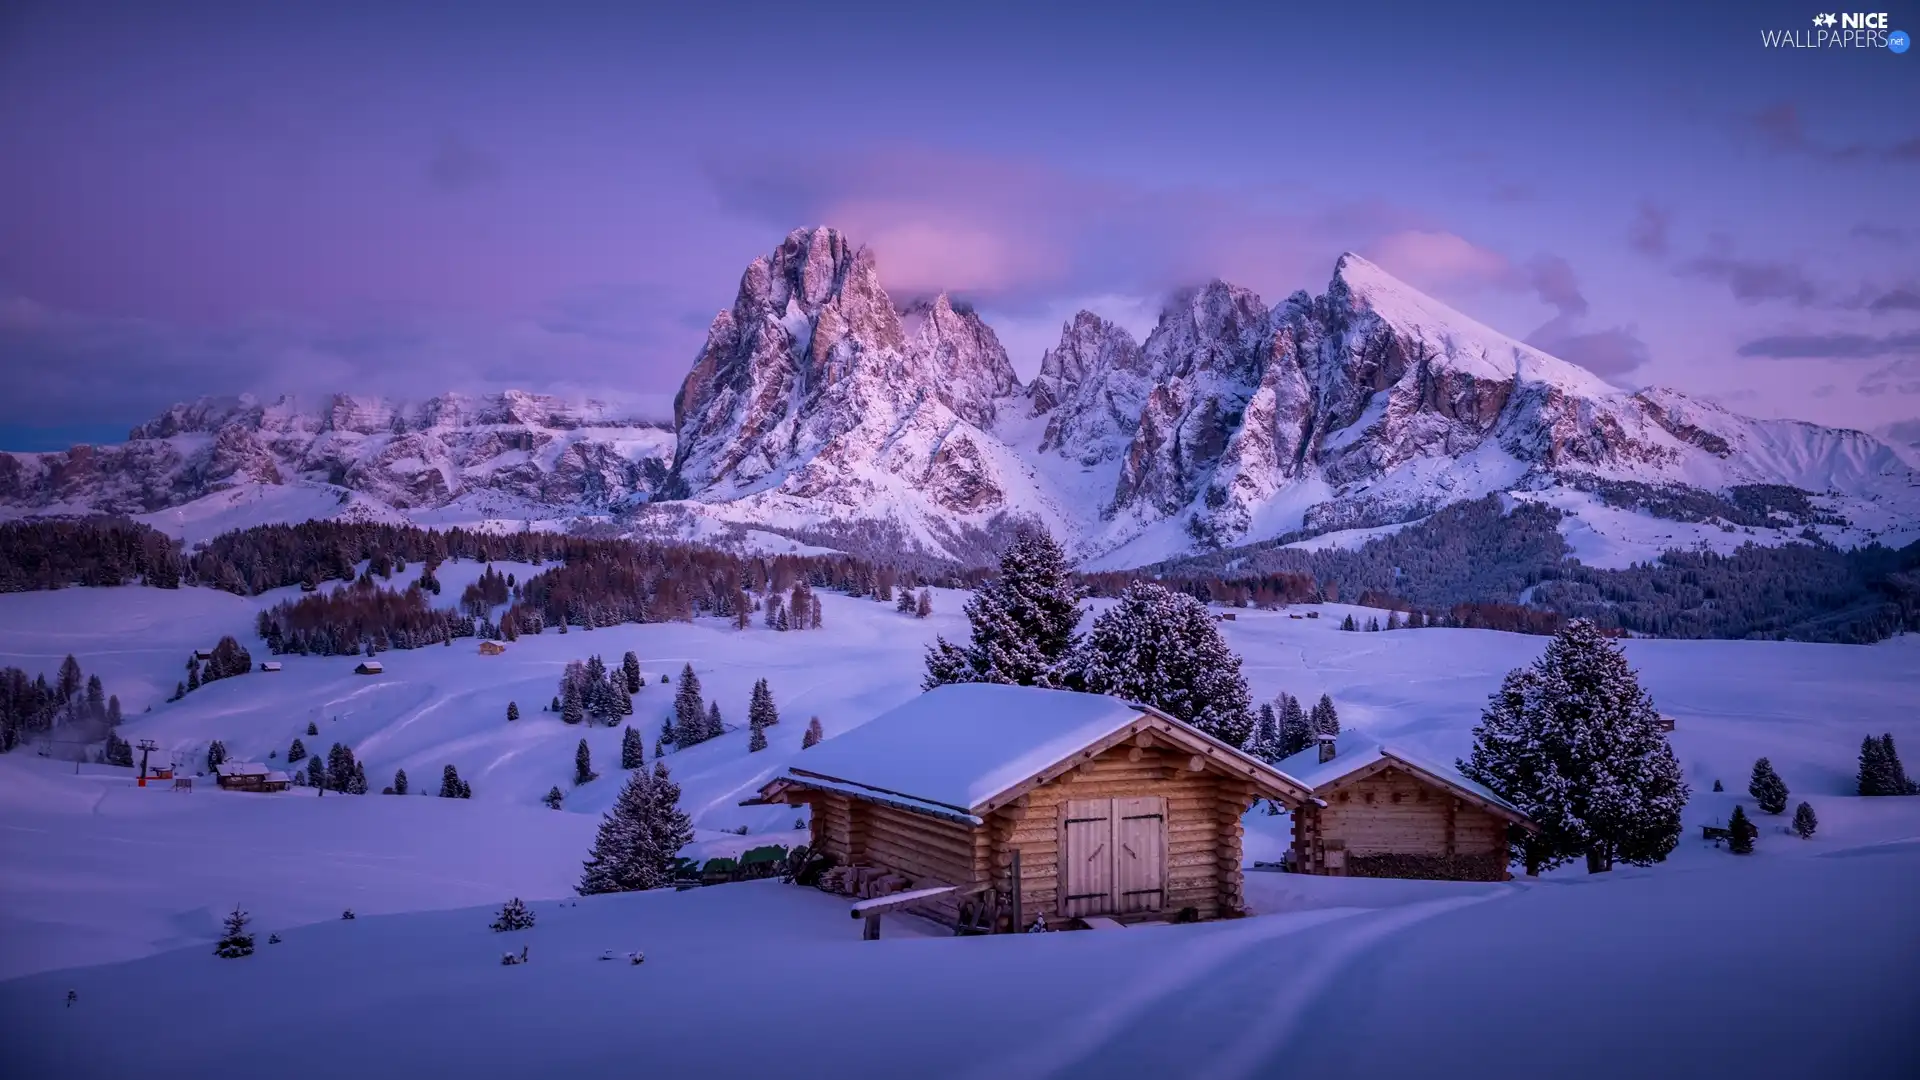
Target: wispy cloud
[
  {"x": 1840, "y": 346},
  {"x": 1780, "y": 127}
]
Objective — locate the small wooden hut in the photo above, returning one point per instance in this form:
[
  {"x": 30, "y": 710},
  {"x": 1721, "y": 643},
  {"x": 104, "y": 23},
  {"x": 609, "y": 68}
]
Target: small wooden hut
[
  {"x": 1110, "y": 809},
  {"x": 250, "y": 776},
  {"x": 1378, "y": 811},
  {"x": 368, "y": 667}
]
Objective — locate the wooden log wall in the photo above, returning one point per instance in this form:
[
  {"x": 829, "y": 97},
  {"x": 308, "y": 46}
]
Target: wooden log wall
[{"x": 1393, "y": 813}]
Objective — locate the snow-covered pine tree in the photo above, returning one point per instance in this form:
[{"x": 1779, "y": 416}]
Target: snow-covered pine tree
[
  {"x": 1161, "y": 648},
  {"x": 399, "y": 781},
  {"x": 1896, "y": 772},
  {"x": 1266, "y": 735},
  {"x": 296, "y": 752},
  {"x": 1296, "y": 731},
  {"x": 513, "y": 916},
  {"x": 760, "y": 709},
  {"x": 1804, "y": 821},
  {"x": 316, "y": 772},
  {"x": 1717, "y": 786},
  {"x": 714, "y": 727},
  {"x": 313, "y": 728},
  {"x": 621, "y": 859},
  {"x": 1876, "y": 777},
  {"x": 358, "y": 784},
  {"x": 630, "y": 667},
  {"x": 450, "y": 783},
  {"x": 670, "y": 827},
  {"x": 1741, "y": 832},
  {"x": 235, "y": 940},
  {"x": 633, "y": 749},
  {"x": 689, "y": 720},
  {"x": 757, "y": 738},
  {"x": 904, "y": 605},
  {"x": 923, "y": 606},
  {"x": 1575, "y": 743},
  {"x": 1767, "y": 789},
  {"x": 572, "y": 710},
  {"x": 583, "y": 764},
  {"x": 1325, "y": 719},
  {"x": 513, "y": 711},
  {"x": 813, "y": 735},
  {"x": 340, "y": 765},
  {"x": 1347, "y": 623},
  {"x": 216, "y": 754},
  {"x": 1373, "y": 623},
  {"x": 553, "y": 798},
  {"x": 1022, "y": 621}
]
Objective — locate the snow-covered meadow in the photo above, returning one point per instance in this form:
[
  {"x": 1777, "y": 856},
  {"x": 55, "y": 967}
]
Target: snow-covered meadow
[{"x": 1795, "y": 962}]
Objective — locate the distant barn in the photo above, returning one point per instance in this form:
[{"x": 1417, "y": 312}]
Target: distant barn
[
  {"x": 1378, "y": 811},
  {"x": 250, "y": 776},
  {"x": 270, "y": 665},
  {"x": 1114, "y": 811},
  {"x": 368, "y": 667}
]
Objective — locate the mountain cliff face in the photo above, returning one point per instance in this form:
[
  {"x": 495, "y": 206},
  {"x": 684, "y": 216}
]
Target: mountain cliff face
[
  {"x": 818, "y": 402},
  {"x": 408, "y": 457}
]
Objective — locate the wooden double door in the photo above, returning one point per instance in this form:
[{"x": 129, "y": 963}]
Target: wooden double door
[{"x": 1113, "y": 856}]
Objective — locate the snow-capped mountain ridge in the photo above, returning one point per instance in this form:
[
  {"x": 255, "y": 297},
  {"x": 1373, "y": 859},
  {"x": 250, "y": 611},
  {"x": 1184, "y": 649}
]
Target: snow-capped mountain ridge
[{"x": 817, "y": 402}]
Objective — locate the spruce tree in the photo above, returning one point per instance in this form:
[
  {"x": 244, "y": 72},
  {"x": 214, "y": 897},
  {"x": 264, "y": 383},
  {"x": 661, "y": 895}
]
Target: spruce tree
[
  {"x": 513, "y": 711},
  {"x": 1022, "y": 621},
  {"x": 1896, "y": 772},
  {"x": 296, "y": 752},
  {"x": 1717, "y": 786},
  {"x": 450, "y": 783},
  {"x": 688, "y": 709},
  {"x": 340, "y": 768},
  {"x": 1325, "y": 719},
  {"x": 714, "y": 727},
  {"x": 1740, "y": 832},
  {"x": 1266, "y": 735},
  {"x": 633, "y": 749},
  {"x": 317, "y": 772},
  {"x": 399, "y": 781},
  {"x": 1296, "y": 731},
  {"x": 622, "y": 859},
  {"x": 760, "y": 708},
  {"x": 630, "y": 667},
  {"x": 1575, "y": 743},
  {"x": 1876, "y": 774},
  {"x": 813, "y": 735},
  {"x": 313, "y": 728},
  {"x": 216, "y": 754},
  {"x": 358, "y": 785},
  {"x": 571, "y": 708},
  {"x": 235, "y": 940},
  {"x": 1804, "y": 821},
  {"x": 1767, "y": 789},
  {"x": 514, "y": 916},
  {"x": 1162, "y": 648},
  {"x": 1347, "y": 623},
  {"x": 757, "y": 740},
  {"x": 582, "y": 765},
  {"x": 553, "y": 798}
]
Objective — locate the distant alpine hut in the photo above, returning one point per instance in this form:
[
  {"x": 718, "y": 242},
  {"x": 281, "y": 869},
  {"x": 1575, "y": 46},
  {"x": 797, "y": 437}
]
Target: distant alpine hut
[
  {"x": 203, "y": 654},
  {"x": 269, "y": 665},
  {"x": 1378, "y": 811},
  {"x": 250, "y": 776},
  {"x": 1115, "y": 811},
  {"x": 368, "y": 667},
  {"x": 491, "y": 648}
]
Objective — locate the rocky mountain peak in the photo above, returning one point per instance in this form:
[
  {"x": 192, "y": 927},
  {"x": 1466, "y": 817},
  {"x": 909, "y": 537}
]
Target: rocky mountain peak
[{"x": 960, "y": 356}]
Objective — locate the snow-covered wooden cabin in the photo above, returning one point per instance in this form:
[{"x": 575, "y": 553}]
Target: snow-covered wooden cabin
[
  {"x": 368, "y": 667},
  {"x": 1378, "y": 811},
  {"x": 1115, "y": 809},
  {"x": 250, "y": 776}
]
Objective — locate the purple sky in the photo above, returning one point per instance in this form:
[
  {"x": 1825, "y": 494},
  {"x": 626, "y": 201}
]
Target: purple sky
[{"x": 201, "y": 198}]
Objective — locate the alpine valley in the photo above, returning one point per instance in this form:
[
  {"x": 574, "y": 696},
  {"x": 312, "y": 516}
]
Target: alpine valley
[{"x": 822, "y": 410}]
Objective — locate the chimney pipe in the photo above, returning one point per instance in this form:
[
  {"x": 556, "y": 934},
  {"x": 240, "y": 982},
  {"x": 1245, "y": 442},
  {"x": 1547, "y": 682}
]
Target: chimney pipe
[{"x": 1326, "y": 749}]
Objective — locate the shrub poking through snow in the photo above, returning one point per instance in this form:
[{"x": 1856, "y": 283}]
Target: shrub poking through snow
[
  {"x": 1767, "y": 789},
  {"x": 513, "y": 711},
  {"x": 348, "y": 914},
  {"x": 1717, "y": 786},
  {"x": 514, "y": 916},
  {"x": 235, "y": 941},
  {"x": 273, "y": 939},
  {"x": 553, "y": 797},
  {"x": 1804, "y": 821},
  {"x": 1741, "y": 832},
  {"x": 1575, "y": 743}
]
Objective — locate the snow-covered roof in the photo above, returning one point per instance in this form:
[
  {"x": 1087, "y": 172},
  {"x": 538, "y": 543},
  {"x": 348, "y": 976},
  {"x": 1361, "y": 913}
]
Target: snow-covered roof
[
  {"x": 240, "y": 768},
  {"x": 958, "y": 746},
  {"x": 1354, "y": 752},
  {"x": 277, "y": 777}
]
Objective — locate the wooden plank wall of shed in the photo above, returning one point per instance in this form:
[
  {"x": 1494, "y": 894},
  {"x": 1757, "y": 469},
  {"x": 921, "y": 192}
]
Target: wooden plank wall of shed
[
  {"x": 1203, "y": 830},
  {"x": 1394, "y": 813},
  {"x": 926, "y": 850}
]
